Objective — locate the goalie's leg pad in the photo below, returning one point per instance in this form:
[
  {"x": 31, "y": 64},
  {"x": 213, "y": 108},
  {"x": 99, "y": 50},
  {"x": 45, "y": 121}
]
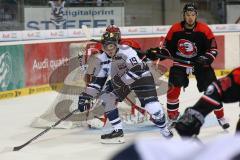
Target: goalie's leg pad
[{"x": 97, "y": 122}]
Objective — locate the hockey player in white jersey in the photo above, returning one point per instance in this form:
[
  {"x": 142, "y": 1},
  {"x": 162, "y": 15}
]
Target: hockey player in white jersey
[{"x": 128, "y": 73}]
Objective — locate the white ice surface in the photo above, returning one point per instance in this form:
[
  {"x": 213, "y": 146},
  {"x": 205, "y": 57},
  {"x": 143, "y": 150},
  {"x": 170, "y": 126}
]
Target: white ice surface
[{"x": 81, "y": 143}]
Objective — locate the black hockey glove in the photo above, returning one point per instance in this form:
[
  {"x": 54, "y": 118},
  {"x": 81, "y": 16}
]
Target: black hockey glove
[
  {"x": 84, "y": 102},
  {"x": 203, "y": 60},
  {"x": 189, "y": 123},
  {"x": 120, "y": 89},
  {"x": 141, "y": 55},
  {"x": 152, "y": 53},
  {"x": 108, "y": 87}
]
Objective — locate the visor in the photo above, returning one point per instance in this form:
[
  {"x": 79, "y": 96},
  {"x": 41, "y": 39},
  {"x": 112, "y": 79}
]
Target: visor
[{"x": 109, "y": 46}]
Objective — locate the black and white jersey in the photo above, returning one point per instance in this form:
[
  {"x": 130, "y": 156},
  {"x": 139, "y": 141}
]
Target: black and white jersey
[
  {"x": 99, "y": 66},
  {"x": 128, "y": 65},
  {"x": 125, "y": 64}
]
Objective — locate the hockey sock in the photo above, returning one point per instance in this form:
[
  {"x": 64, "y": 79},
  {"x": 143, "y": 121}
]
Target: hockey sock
[
  {"x": 114, "y": 119},
  {"x": 173, "y": 102},
  {"x": 219, "y": 113}
]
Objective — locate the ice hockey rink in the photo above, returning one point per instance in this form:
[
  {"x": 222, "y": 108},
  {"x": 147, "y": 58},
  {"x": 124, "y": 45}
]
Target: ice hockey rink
[{"x": 83, "y": 143}]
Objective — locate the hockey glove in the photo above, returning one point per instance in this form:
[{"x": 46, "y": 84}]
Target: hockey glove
[
  {"x": 84, "y": 102},
  {"x": 120, "y": 89},
  {"x": 108, "y": 87},
  {"x": 152, "y": 53},
  {"x": 141, "y": 55},
  {"x": 203, "y": 60},
  {"x": 189, "y": 123}
]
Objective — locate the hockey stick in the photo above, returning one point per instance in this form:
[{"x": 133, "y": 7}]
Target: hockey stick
[
  {"x": 175, "y": 59},
  {"x": 139, "y": 109},
  {"x": 158, "y": 55},
  {"x": 86, "y": 31},
  {"x": 95, "y": 40},
  {"x": 17, "y": 148}
]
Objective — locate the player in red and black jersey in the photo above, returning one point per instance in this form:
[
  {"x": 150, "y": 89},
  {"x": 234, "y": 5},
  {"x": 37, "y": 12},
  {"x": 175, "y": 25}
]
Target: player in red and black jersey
[
  {"x": 225, "y": 90},
  {"x": 189, "y": 40}
]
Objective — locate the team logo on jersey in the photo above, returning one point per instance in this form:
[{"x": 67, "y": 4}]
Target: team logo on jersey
[{"x": 186, "y": 48}]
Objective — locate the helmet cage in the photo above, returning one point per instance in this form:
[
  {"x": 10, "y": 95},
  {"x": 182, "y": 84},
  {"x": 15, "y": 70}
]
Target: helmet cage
[{"x": 114, "y": 29}]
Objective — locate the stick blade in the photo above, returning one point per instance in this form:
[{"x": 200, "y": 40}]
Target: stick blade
[{"x": 17, "y": 148}]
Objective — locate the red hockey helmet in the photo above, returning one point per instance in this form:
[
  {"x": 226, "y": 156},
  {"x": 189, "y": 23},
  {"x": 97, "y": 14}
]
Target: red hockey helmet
[{"x": 115, "y": 30}]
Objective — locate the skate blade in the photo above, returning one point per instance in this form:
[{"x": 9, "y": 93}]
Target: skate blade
[{"x": 118, "y": 140}]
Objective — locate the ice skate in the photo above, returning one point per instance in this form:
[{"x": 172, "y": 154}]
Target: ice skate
[
  {"x": 166, "y": 133},
  {"x": 223, "y": 123},
  {"x": 115, "y": 137},
  {"x": 172, "y": 121}
]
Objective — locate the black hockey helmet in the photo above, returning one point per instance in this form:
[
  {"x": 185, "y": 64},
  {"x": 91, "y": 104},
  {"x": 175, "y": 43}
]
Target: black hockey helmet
[
  {"x": 109, "y": 37},
  {"x": 190, "y": 7},
  {"x": 109, "y": 40}
]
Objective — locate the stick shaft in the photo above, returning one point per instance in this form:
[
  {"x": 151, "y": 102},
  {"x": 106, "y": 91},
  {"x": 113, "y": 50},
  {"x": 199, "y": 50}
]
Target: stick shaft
[
  {"x": 175, "y": 59},
  {"x": 17, "y": 148}
]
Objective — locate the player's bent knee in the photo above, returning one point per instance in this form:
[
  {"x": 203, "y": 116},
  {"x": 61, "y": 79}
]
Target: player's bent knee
[
  {"x": 156, "y": 111},
  {"x": 109, "y": 101}
]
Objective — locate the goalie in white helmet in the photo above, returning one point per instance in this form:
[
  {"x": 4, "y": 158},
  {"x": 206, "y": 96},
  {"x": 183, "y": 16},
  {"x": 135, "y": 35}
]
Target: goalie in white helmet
[{"x": 128, "y": 73}]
